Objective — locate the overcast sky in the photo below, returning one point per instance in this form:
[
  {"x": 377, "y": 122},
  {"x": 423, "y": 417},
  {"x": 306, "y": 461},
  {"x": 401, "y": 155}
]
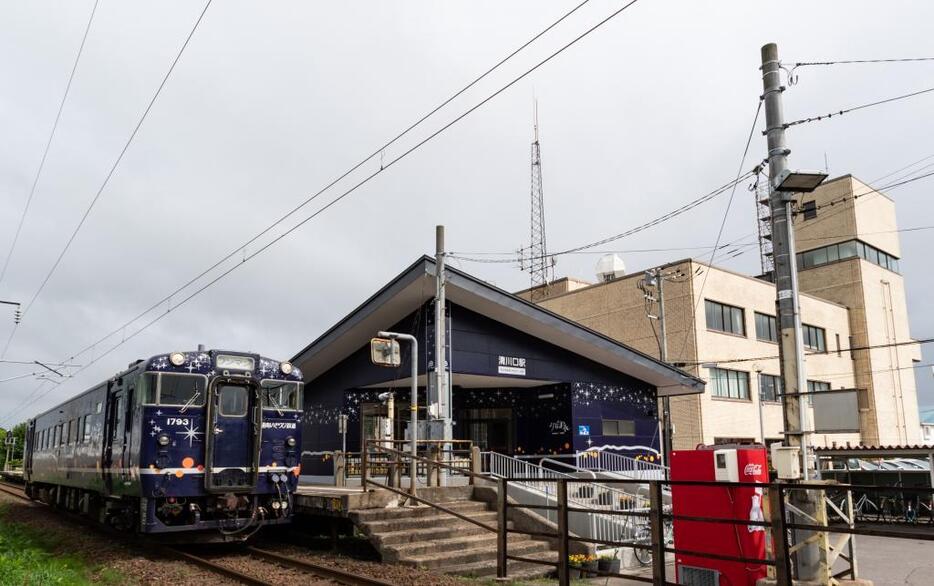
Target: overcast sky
[{"x": 271, "y": 101}]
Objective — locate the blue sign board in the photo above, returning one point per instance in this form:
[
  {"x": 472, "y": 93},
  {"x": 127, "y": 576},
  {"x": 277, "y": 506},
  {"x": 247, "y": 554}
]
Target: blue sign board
[{"x": 583, "y": 430}]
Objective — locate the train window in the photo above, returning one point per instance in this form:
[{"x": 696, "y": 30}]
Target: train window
[
  {"x": 100, "y": 406},
  {"x": 233, "y": 401},
  {"x": 175, "y": 389},
  {"x": 148, "y": 387},
  {"x": 87, "y": 429},
  {"x": 66, "y": 434},
  {"x": 280, "y": 395}
]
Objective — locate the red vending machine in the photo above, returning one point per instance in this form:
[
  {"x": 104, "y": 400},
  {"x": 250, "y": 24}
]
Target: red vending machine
[{"x": 733, "y": 464}]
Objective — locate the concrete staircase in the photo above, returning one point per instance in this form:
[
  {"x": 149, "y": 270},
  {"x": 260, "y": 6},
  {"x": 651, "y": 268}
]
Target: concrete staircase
[{"x": 426, "y": 537}]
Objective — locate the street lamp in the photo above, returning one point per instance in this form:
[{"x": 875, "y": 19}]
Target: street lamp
[{"x": 788, "y": 182}]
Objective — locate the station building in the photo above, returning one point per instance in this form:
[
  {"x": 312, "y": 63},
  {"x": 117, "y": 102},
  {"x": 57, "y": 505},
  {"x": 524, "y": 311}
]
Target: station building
[
  {"x": 721, "y": 326},
  {"x": 525, "y": 380}
]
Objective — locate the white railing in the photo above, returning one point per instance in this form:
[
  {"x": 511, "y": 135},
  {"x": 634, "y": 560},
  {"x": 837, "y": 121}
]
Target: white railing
[
  {"x": 582, "y": 493},
  {"x": 605, "y": 461}
]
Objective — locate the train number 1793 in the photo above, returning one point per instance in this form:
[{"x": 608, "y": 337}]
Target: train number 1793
[{"x": 177, "y": 421}]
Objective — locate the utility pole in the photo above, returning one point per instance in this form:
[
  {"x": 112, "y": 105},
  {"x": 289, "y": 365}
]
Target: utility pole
[
  {"x": 442, "y": 396},
  {"x": 791, "y": 350},
  {"x": 786, "y": 273},
  {"x": 656, "y": 278}
]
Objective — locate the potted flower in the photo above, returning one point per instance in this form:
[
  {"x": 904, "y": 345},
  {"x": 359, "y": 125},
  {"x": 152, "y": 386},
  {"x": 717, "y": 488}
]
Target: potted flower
[
  {"x": 608, "y": 563},
  {"x": 582, "y": 565},
  {"x": 575, "y": 563}
]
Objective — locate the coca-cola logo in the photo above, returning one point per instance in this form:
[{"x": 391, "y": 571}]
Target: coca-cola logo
[{"x": 752, "y": 469}]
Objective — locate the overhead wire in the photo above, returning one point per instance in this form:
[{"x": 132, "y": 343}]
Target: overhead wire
[
  {"x": 640, "y": 228},
  {"x": 365, "y": 180},
  {"x": 48, "y": 143},
  {"x": 726, "y": 212},
  {"x": 378, "y": 151},
  {"x": 110, "y": 173},
  {"x": 919, "y": 341},
  {"x": 854, "y": 61},
  {"x": 855, "y": 108}
]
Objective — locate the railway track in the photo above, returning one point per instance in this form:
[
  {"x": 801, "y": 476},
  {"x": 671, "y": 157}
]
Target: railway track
[
  {"x": 263, "y": 556},
  {"x": 14, "y": 490}
]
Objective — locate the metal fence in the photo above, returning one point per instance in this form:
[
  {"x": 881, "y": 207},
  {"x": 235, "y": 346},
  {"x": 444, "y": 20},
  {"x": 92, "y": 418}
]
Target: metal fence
[{"x": 788, "y": 528}]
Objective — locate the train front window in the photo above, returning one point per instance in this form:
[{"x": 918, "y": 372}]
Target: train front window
[
  {"x": 280, "y": 395},
  {"x": 181, "y": 390},
  {"x": 233, "y": 400}
]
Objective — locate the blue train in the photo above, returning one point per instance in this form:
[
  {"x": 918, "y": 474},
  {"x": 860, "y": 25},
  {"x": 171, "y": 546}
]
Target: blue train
[{"x": 201, "y": 445}]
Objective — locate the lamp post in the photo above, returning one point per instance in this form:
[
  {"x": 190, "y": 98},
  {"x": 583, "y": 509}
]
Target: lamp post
[{"x": 390, "y": 356}]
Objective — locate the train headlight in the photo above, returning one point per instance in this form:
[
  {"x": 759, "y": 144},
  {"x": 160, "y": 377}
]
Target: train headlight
[
  {"x": 163, "y": 439},
  {"x": 276, "y": 505},
  {"x": 177, "y": 358},
  {"x": 285, "y": 367},
  {"x": 290, "y": 441}
]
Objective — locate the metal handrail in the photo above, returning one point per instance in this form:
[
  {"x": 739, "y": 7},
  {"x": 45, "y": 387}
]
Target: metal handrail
[
  {"x": 603, "y": 525},
  {"x": 621, "y": 464}
]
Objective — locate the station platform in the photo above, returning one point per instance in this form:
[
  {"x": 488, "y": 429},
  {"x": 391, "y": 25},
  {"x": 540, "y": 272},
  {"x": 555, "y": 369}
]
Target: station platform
[{"x": 339, "y": 501}]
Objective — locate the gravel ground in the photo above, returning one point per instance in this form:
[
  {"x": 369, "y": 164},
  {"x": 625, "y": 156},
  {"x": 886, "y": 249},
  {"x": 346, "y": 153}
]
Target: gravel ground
[
  {"x": 392, "y": 573},
  {"x": 265, "y": 570}
]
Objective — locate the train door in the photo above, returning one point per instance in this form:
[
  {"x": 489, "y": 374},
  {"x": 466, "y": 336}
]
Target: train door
[
  {"x": 115, "y": 449},
  {"x": 29, "y": 448},
  {"x": 232, "y": 447}
]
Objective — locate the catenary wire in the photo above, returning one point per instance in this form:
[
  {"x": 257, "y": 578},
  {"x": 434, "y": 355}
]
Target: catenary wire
[
  {"x": 48, "y": 143},
  {"x": 855, "y": 108},
  {"x": 349, "y": 191},
  {"x": 331, "y": 184},
  {"x": 113, "y": 168}
]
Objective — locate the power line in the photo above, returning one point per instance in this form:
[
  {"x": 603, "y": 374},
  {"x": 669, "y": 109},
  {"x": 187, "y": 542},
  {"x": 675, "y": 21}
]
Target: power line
[
  {"x": 113, "y": 168},
  {"x": 48, "y": 143},
  {"x": 816, "y": 353},
  {"x": 854, "y": 61},
  {"x": 331, "y": 184},
  {"x": 635, "y": 230},
  {"x": 726, "y": 213},
  {"x": 349, "y": 191},
  {"x": 855, "y": 108}
]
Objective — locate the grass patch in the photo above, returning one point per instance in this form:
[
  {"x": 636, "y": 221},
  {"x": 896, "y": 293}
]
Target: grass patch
[{"x": 28, "y": 556}]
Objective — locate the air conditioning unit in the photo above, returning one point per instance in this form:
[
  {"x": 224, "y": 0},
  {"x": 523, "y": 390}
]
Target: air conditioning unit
[{"x": 692, "y": 576}]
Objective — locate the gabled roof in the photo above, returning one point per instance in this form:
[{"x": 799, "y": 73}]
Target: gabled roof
[{"x": 416, "y": 285}]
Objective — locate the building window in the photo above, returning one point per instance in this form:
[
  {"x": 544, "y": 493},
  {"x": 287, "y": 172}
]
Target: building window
[
  {"x": 766, "y": 328},
  {"x": 619, "y": 427},
  {"x": 817, "y": 386},
  {"x": 729, "y": 384},
  {"x": 725, "y": 318},
  {"x": 844, "y": 250},
  {"x": 770, "y": 388},
  {"x": 814, "y": 338},
  {"x": 810, "y": 210}
]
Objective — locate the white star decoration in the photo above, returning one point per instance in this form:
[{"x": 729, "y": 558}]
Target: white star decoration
[{"x": 191, "y": 433}]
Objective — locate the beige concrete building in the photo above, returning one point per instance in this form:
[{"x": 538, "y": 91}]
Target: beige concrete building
[{"x": 721, "y": 326}]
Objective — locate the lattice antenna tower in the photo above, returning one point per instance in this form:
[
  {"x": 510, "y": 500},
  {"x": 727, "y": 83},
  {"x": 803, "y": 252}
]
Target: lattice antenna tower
[{"x": 541, "y": 266}]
